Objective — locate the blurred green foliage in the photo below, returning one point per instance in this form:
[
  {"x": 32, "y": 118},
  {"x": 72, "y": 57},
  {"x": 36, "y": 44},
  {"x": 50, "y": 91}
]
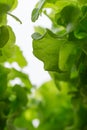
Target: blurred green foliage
[{"x": 59, "y": 104}]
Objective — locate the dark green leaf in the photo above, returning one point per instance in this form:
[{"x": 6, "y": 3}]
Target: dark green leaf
[
  {"x": 11, "y": 4},
  {"x": 35, "y": 14},
  {"x": 3, "y": 8},
  {"x": 21, "y": 96},
  {"x": 68, "y": 16},
  {"x": 10, "y": 45},
  {"x": 81, "y": 31},
  {"x": 4, "y": 36},
  {"x": 3, "y": 77}
]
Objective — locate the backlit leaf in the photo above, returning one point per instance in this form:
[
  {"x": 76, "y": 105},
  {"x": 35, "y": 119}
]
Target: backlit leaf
[
  {"x": 47, "y": 50},
  {"x": 18, "y": 57},
  {"x": 36, "y": 11}
]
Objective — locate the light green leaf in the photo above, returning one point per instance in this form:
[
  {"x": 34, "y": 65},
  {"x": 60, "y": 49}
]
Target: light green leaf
[
  {"x": 40, "y": 29},
  {"x": 47, "y": 50},
  {"x": 54, "y": 106},
  {"x": 65, "y": 51},
  {"x": 57, "y": 5},
  {"x": 14, "y": 5},
  {"x": 18, "y": 57}
]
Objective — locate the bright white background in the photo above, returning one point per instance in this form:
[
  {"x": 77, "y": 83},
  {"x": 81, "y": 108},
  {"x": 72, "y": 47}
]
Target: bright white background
[{"x": 23, "y": 39}]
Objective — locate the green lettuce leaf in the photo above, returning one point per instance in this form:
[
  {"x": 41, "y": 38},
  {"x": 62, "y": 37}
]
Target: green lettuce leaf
[
  {"x": 9, "y": 47},
  {"x": 46, "y": 48},
  {"x": 69, "y": 17},
  {"x": 58, "y": 53},
  {"x": 4, "y": 36}
]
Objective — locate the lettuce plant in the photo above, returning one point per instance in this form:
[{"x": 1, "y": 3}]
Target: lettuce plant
[{"x": 62, "y": 48}]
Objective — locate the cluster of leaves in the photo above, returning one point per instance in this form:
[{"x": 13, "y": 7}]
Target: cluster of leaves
[
  {"x": 13, "y": 98},
  {"x": 63, "y": 50},
  {"x": 19, "y": 107}
]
